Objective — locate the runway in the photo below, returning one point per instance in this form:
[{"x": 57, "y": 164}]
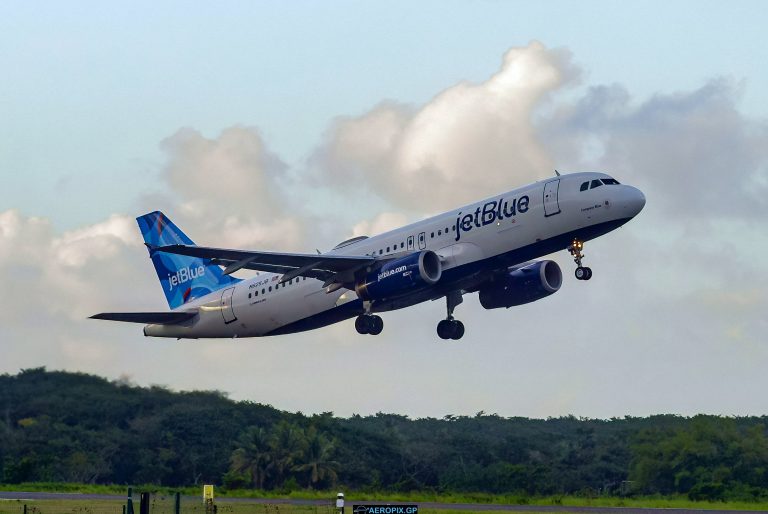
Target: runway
[{"x": 13, "y": 495}]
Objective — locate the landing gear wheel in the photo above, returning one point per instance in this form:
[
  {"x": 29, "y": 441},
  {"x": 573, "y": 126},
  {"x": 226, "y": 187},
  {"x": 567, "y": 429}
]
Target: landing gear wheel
[
  {"x": 458, "y": 329},
  {"x": 362, "y": 324},
  {"x": 377, "y": 325},
  {"x": 589, "y": 273},
  {"x": 581, "y": 273},
  {"x": 450, "y": 329},
  {"x": 369, "y": 324},
  {"x": 444, "y": 329}
]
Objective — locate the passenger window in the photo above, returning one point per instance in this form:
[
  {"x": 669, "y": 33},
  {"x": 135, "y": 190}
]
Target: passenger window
[
  {"x": 595, "y": 183},
  {"x": 402, "y": 245},
  {"x": 256, "y": 293},
  {"x": 387, "y": 249},
  {"x": 432, "y": 235},
  {"x": 446, "y": 230},
  {"x": 270, "y": 289},
  {"x": 439, "y": 232},
  {"x": 381, "y": 251},
  {"x": 263, "y": 291},
  {"x": 584, "y": 186},
  {"x": 249, "y": 295}
]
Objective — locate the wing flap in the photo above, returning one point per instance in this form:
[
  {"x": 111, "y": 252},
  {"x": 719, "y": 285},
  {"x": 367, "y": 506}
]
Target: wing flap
[{"x": 147, "y": 318}]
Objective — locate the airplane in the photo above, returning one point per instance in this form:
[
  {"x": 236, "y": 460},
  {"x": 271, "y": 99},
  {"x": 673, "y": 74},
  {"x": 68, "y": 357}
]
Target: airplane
[{"x": 487, "y": 247}]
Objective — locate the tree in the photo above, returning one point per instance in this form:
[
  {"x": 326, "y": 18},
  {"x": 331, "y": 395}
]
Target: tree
[
  {"x": 287, "y": 445},
  {"x": 253, "y": 455},
  {"x": 317, "y": 460}
]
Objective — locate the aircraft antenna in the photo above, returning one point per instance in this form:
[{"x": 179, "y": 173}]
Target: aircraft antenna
[{"x": 557, "y": 173}]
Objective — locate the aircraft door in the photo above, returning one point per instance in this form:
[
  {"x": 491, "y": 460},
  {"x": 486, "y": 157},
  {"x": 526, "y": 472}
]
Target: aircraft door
[
  {"x": 226, "y": 305},
  {"x": 551, "y": 204},
  {"x": 422, "y": 240},
  {"x": 409, "y": 244}
]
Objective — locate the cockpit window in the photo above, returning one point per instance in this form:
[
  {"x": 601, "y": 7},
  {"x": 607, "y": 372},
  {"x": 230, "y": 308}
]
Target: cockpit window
[
  {"x": 610, "y": 182},
  {"x": 584, "y": 186},
  {"x": 596, "y": 183}
]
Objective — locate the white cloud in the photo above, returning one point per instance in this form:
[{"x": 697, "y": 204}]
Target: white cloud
[
  {"x": 694, "y": 152},
  {"x": 381, "y": 223},
  {"x": 228, "y": 190},
  {"x": 469, "y": 141}
]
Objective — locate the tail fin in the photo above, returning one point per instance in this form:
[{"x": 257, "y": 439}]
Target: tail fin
[{"x": 183, "y": 278}]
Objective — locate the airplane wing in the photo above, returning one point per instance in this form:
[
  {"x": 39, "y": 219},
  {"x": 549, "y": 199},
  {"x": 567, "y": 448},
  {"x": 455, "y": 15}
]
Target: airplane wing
[
  {"x": 147, "y": 318},
  {"x": 328, "y": 267}
]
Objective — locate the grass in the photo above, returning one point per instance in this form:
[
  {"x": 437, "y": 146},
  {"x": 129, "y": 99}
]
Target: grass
[{"x": 163, "y": 501}]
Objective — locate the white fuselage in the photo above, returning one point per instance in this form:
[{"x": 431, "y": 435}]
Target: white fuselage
[{"x": 481, "y": 237}]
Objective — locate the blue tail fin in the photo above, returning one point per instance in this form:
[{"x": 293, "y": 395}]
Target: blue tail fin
[{"x": 183, "y": 278}]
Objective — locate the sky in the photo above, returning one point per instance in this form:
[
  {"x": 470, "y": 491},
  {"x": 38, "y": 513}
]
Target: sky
[{"x": 291, "y": 126}]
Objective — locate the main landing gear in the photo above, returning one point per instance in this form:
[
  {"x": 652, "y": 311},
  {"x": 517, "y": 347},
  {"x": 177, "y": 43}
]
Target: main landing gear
[
  {"x": 582, "y": 272},
  {"x": 450, "y": 328},
  {"x": 369, "y": 324}
]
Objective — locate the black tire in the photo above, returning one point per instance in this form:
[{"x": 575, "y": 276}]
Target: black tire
[
  {"x": 444, "y": 329},
  {"x": 458, "y": 330},
  {"x": 580, "y": 273},
  {"x": 589, "y": 273},
  {"x": 376, "y": 325},
  {"x": 362, "y": 324}
]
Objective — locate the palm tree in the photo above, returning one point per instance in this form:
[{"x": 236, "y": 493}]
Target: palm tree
[
  {"x": 253, "y": 455},
  {"x": 317, "y": 458},
  {"x": 287, "y": 444}
]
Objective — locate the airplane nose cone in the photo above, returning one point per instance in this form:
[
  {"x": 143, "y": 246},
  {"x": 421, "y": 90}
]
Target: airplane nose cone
[{"x": 634, "y": 200}]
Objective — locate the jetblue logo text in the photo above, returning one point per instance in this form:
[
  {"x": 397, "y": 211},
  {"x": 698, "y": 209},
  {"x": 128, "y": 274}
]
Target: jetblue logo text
[
  {"x": 490, "y": 212},
  {"x": 385, "y": 509},
  {"x": 389, "y": 273},
  {"x": 184, "y": 275}
]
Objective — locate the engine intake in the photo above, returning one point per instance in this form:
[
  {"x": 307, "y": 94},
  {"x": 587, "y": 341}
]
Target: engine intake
[
  {"x": 522, "y": 285},
  {"x": 401, "y": 276}
]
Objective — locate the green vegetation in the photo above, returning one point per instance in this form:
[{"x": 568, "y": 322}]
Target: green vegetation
[
  {"x": 164, "y": 505},
  {"x": 74, "y": 428}
]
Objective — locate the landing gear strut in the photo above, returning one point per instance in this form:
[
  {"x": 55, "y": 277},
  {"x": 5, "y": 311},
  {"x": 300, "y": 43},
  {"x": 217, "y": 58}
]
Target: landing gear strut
[
  {"x": 369, "y": 324},
  {"x": 582, "y": 272},
  {"x": 450, "y": 328}
]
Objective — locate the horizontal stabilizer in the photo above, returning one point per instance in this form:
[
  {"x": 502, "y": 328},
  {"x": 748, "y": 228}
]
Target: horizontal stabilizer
[{"x": 147, "y": 318}]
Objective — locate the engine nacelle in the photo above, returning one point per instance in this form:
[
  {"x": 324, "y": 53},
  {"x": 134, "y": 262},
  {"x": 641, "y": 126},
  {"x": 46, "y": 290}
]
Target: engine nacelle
[
  {"x": 400, "y": 277},
  {"x": 523, "y": 285}
]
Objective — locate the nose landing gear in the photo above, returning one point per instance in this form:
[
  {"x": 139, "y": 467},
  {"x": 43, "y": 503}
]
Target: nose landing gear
[
  {"x": 450, "y": 328},
  {"x": 582, "y": 272}
]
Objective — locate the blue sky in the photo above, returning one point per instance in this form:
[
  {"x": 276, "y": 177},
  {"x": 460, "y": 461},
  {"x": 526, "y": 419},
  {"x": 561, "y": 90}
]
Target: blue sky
[{"x": 262, "y": 125}]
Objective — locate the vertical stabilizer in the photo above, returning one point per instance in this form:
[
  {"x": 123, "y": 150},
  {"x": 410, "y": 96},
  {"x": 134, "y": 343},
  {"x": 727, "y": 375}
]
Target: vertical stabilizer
[{"x": 183, "y": 278}]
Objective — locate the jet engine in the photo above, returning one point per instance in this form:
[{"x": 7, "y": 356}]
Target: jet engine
[
  {"x": 522, "y": 285},
  {"x": 400, "y": 276}
]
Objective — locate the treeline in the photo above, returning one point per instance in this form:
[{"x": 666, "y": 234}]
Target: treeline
[{"x": 72, "y": 427}]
